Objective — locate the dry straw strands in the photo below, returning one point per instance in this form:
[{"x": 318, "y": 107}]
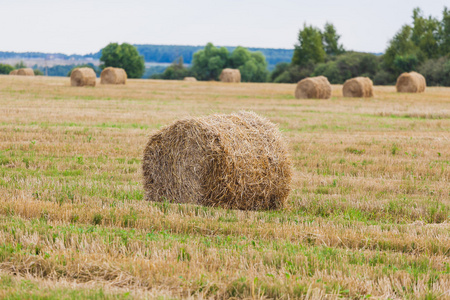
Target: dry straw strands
[
  {"x": 230, "y": 75},
  {"x": 83, "y": 77},
  {"x": 411, "y": 82},
  {"x": 13, "y": 72},
  {"x": 236, "y": 161},
  {"x": 313, "y": 88},
  {"x": 190, "y": 79},
  {"x": 112, "y": 75},
  {"x": 25, "y": 72},
  {"x": 358, "y": 87}
]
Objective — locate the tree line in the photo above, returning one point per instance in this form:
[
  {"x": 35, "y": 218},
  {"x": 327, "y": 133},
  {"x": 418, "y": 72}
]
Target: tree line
[
  {"x": 422, "y": 46},
  {"x": 209, "y": 62},
  {"x": 160, "y": 54},
  {"x": 171, "y": 53}
]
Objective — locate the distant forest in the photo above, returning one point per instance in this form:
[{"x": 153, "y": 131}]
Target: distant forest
[
  {"x": 158, "y": 54},
  {"x": 168, "y": 54},
  {"x": 151, "y": 53}
]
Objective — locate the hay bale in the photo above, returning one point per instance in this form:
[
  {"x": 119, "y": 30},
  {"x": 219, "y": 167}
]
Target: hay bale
[
  {"x": 13, "y": 72},
  {"x": 112, "y": 75},
  {"x": 358, "y": 87},
  {"x": 411, "y": 82},
  {"x": 190, "y": 79},
  {"x": 83, "y": 77},
  {"x": 25, "y": 72},
  {"x": 237, "y": 161},
  {"x": 230, "y": 75},
  {"x": 313, "y": 88}
]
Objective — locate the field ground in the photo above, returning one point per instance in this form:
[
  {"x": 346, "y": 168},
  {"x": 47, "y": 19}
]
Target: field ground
[{"x": 368, "y": 216}]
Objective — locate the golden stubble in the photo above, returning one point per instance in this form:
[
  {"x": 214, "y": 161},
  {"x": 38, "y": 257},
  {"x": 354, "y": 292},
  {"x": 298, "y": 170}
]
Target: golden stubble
[{"x": 371, "y": 179}]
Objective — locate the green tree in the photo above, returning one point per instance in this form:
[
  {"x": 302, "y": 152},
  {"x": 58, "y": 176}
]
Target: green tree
[
  {"x": 427, "y": 38},
  {"x": 252, "y": 65},
  {"x": 239, "y": 57},
  {"x": 209, "y": 62},
  {"x": 330, "y": 40},
  {"x": 38, "y": 72},
  {"x": 383, "y": 77},
  {"x": 175, "y": 71},
  {"x": 406, "y": 63},
  {"x": 280, "y": 68},
  {"x": 330, "y": 70},
  {"x": 400, "y": 45},
  {"x": 292, "y": 73},
  {"x": 348, "y": 65},
  {"x": 123, "y": 56},
  {"x": 444, "y": 33},
  {"x": 5, "y": 69},
  {"x": 436, "y": 71},
  {"x": 20, "y": 65},
  {"x": 309, "y": 48},
  {"x": 425, "y": 35}
]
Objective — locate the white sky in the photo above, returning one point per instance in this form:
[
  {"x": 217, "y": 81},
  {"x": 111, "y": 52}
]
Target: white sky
[{"x": 85, "y": 26}]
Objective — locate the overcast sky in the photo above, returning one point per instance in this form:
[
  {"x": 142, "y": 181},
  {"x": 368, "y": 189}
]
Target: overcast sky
[{"x": 85, "y": 26}]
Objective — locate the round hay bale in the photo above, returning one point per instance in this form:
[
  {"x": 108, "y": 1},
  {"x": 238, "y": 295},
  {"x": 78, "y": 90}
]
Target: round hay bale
[
  {"x": 13, "y": 72},
  {"x": 313, "y": 88},
  {"x": 230, "y": 75},
  {"x": 411, "y": 82},
  {"x": 25, "y": 72},
  {"x": 358, "y": 87},
  {"x": 190, "y": 79},
  {"x": 112, "y": 75},
  {"x": 236, "y": 161},
  {"x": 83, "y": 77}
]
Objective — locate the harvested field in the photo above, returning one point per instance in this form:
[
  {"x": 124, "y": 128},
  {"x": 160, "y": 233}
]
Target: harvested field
[{"x": 368, "y": 215}]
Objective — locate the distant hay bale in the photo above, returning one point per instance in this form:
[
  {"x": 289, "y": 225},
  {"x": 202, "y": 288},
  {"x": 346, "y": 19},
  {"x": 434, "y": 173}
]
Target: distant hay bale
[
  {"x": 313, "y": 88},
  {"x": 13, "y": 72},
  {"x": 190, "y": 79},
  {"x": 411, "y": 82},
  {"x": 112, "y": 75},
  {"x": 358, "y": 87},
  {"x": 25, "y": 72},
  {"x": 230, "y": 75},
  {"x": 83, "y": 77},
  {"x": 236, "y": 161}
]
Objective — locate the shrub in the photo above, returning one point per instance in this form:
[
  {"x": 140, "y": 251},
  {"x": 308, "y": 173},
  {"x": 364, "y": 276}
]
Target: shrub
[
  {"x": 294, "y": 74},
  {"x": 436, "y": 71},
  {"x": 5, "y": 69},
  {"x": 176, "y": 71},
  {"x": 348, "y": 65},
  {"x": 383, "y": 77}
]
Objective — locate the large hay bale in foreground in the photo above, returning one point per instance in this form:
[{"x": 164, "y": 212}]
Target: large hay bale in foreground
[
  {"x": 112, "y": 75},
  {"x": 230, "y": 75},
  {"x": 358, "y": 87},
  {"x": 411, "y": 82},
  {"x": 190, "y": 79},
  {"x": 236, "y": 161},
  {"x": 313, "y": 88},
  {"x": 25, "y": 72},
  {"x": 13, "y": 72},
  {"x": 83, "y": 77}
]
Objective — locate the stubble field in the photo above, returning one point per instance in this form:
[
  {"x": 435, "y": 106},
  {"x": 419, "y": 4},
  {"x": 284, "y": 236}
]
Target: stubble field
[{"x": 368, "y": 216}]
